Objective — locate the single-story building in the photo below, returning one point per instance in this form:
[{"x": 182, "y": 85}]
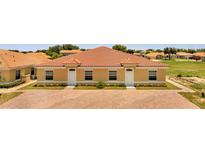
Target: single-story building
[
  {"x": 101, "y": 64},
  {"x": 15, "y": 66},
  {"x": 184, "y": 55},
  {"x": 40, "y": 56},
  {"x": 69, "y": 52},
  {"x": 201, "y": 55},
  {"x": 155, "y": 55}
]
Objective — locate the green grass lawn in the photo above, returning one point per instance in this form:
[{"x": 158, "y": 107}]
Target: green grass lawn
[
  {"x": 34, "y": 86},
  {"x": 180, "y": 59},
  {"x": 186, "y": 68},
  {"x": 4, "y": 97},
  {"x": 198, "y": 86},
  {"x": 94, "y": 88},
  {"x": 168, "y": 86},
  {"x": 194, "y": 98}
]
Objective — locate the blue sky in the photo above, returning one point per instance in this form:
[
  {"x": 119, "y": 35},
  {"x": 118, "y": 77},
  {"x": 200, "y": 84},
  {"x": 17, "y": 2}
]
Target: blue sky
[{"x": 33, "y": 47}]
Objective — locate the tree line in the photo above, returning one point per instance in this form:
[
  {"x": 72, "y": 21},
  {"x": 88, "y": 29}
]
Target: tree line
[
  {"x": 54, "y": 51},
  {"x": 166, "y": 50}
]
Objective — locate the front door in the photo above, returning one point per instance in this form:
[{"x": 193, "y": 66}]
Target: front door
[
  {"x": 72, "y": 77},
  {"x": 129, "y": 77}
]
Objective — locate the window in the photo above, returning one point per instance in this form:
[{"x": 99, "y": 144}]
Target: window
[
  {"x": 32, "y": 71},
  {"x": 88, "y": 75},
  {"x": 112, "y": 75},
  {"x": 18, "y": 74},
  {"x": 129, "y": 70},
  {"x": 49, "y": 75},
  {"x": 152, "y": 75}
]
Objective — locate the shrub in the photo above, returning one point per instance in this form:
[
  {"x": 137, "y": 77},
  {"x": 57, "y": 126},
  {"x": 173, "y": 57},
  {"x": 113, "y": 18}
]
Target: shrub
[
  {"x": 151, "y": 85},
  {"x": 115, "y": 85},
  {"x": 179, "y": 75},
  {"x": 198, "y": 86},
  {"x": 100, "y": 85},
  {"x": 50, "y": 85},
  {"x": 203, "y": 94},
  {"x": 10, "y": 85}
]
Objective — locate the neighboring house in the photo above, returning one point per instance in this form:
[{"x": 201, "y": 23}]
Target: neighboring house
[
  {"x": 201, "y": 55},
  {"x": 101, "y": 64},
  {"x": 38, "y": 57},
  {"x": 16, "y": 66},
  {"x": 155, "y": 55},
  {"x": 139, "y": 54},
  {"x": 69, "y": 52},
  {"x": 184, "y": 55}
]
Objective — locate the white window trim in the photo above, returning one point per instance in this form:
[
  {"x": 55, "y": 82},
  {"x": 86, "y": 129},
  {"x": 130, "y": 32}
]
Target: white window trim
[
  {"x": 149, "y": 74},
  {"x": 109, "y": 74},
  {"x": 84, "y": 75},
  {"x": 45, "y": 75}
]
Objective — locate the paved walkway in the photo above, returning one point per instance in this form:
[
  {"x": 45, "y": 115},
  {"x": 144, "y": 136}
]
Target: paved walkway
[
  {"x": 99, "y": 99},
  {"x": 71, "y": 98},
  {"x": 183, "y": 88}
]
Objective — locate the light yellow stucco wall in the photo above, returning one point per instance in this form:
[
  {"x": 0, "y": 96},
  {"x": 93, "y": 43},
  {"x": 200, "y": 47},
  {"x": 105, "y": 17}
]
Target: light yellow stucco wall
[
  {"x": 141, "y": 75},
  {"x": 40, "y": 74},
  {"x": 5, "y": 76},
  {"x": 25, "y": 71},
  {"x": 101, "y": 74},
  {"x": 161, "y": 75},
  {"x": 120, "y": 74},
  {"x": 80, "y": 74},
  {"x": 60, "y": 75},
  {"x": 10, "y": 75}
]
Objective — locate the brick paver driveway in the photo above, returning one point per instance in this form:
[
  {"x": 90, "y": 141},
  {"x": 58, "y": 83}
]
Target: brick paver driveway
[{"x": 69, "y": 98}]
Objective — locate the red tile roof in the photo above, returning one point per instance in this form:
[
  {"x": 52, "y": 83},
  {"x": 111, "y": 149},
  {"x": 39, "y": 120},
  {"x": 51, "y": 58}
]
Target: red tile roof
[
  {"x": 200, "y": 54},
  {"x": 9, "y": 59},
  {"x": 71, "y": 61},
  {"x": 40, "y": 56},
  {"x": 103, "y": 57},
  {"x": 128, "y": 61}
]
